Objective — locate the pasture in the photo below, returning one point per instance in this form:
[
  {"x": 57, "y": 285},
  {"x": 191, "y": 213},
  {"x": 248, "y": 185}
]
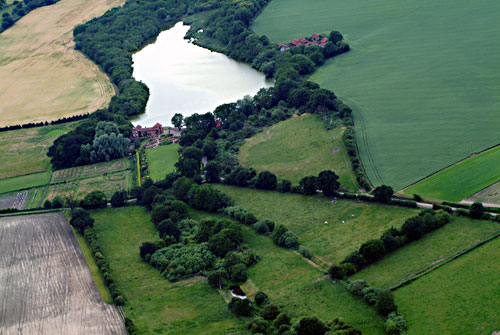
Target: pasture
[
  {"x": 350, "y": 223},
  {"x": 46, "y": 285},
  {"x": 161, "y": 160},
  {"x": 299, "y": 147},
  {"x": 42, "y": 77},
  {"x": 24, "y": 151},
  {"x": 433, "y": 248},
  {"x": 423, "y": 82},
  {"x": 460, "y": 297},
  {"x": 461, "y": 180},
  {"x": 154, "y": 304}
]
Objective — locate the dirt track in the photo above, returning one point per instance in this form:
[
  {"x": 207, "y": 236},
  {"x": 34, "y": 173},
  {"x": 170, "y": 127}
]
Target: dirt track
[
  {"x": 45, "y": 284},
  {"x": 41, "y": 76}
]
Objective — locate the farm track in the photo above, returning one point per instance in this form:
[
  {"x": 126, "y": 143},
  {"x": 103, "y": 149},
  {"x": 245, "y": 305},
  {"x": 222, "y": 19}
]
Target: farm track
[{"x": 45, "y": 284}]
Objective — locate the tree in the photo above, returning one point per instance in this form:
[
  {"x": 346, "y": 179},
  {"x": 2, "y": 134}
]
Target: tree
[
  {"x": 81, "y": 220},
  {"x": 476, "y": 210},
  {"x": 266, "y": 181},
  {"x": 278, "y": 232},
  {"x": 216, "y": 278},
  {"x": 47, "y": 204},
  {"x": 188, "y": 167},
  {"x": 169, "y": 228},
  {"x": 385, "y": 302},
  {"x": 310, "y": 326},
  {"x": 149, "y": 195},
  {"x": 209, "y": 148},
  {"x": 57, "y": 202},
  {"x": 147, "y": 248},
  {"x": 261, "y": 298},
  {"x": 335, "y": 37},
  {"x": 181, "y": 188},
  {"x": 328, "y": 182},
  {"x": 118, "y": 198},
  {"x": 336, "y": 272},
  {"x": 289, "y": 240},
  {"x": 383, "y": 193},
  {"x": 308, "y": 185},
  {"x": 238, "y": 273},
  {"x": 241, "y": 307},
  {"x": 372, "y": 250},
  {"x": 95, "y": 199},
  {"x": 212, "y": 172},
  {"x": 284, "y": 186},
  {"x": 270, "y": 312}
]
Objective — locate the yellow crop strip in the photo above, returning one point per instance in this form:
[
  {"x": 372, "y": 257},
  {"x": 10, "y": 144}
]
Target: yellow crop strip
[{"x": 138, "y": 168}]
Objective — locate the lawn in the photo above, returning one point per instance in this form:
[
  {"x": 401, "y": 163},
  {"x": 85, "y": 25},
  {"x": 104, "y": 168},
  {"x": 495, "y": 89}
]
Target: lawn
[
  {"x": 155, "y": 305},
  {"x": 24, "y": 182},
  {"x": 42, "y": 76},
  {"x": 299, "y": 147},
  {"x": 436, "y": 246},
  {"x": 461, "y": 180},
  {"x": 350, "y": 223},
  {"x": 301, "y": 289},
  {"x": 460, "y": 297},
  {"x": 161, "y": 160},
  {"x": 423, "y": 82},
  {"x": 24, "y": 151}
]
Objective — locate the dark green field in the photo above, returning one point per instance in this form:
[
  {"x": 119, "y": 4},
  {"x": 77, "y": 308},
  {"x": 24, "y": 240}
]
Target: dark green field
[{"x": 422, "y": 76}]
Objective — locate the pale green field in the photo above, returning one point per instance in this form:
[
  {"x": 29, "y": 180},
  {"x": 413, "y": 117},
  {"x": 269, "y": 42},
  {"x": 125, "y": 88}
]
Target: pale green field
[
  {"x": 299, "y": 147},
  {"x": 460, "y": 297},
  {"x": 422, "y": 76},
  {"x": 161, "y": 160}
]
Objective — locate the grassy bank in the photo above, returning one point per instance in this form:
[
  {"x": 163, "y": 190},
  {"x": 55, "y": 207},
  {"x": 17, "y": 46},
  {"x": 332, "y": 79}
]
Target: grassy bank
[{"x": 299, "y": 147}]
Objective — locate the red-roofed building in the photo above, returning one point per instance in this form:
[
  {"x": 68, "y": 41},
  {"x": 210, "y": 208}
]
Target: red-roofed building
[
  {"x": 139, "y": 131},
  {"x": 315, "y": 37},
  {"x": 295, "y": 42},
  {"x": 324, "y": 40},
  {"x": 218, "y": 124}
]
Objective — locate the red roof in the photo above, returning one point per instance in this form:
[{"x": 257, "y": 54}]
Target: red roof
[
  {"x": 324, "y": 40},
  {"x": 315, "y": 36},
  {"x": 138, "y": 127},
  {"x": 295, "y": 42},
  {"x": 302, "y": 39},
  {"x": 157, "y": 125}
]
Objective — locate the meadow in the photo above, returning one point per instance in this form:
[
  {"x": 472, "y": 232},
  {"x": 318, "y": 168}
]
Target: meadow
[
  {"x": 24, "y": 151},
  {"x": 434, "y": 247},
  {"x": 350, "y": 223},
  {"x": 42, "y": 77},
  {"x": 460, "y": 297},
  {"x": 161, "y": 160},
  {"x": 461, "y": 180},
  {"x": 154, "y": 304},
  {"x": 423, "y": 83},
  {"x": 299, "y": 147}
]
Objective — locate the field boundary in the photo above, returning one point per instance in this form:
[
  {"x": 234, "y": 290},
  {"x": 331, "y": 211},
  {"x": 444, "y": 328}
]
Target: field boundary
[{"x": 422, "y": 272}]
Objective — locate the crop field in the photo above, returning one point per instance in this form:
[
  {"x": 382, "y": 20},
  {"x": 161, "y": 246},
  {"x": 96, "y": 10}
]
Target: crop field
[
  {"x": 350, "y": 223},
  {"x": 489, "y": 195},
  {"x": 299, "y": 147},
  {"x": 46, "y": 285},
  {"x": 161, "y": 160},
  {"x": 24, "y": 151},
  {"x": 24, "y": 182},
  {"x": 433, "y": 248},
  {"x": 461, "y": 180},
  {"x": 424, "y": 84},
  {"x": 460, "y": 297},
  {"x": 90, "y": 170},
  {"x": 154, "y": 304},
  {"x": 42, "y": 77}
]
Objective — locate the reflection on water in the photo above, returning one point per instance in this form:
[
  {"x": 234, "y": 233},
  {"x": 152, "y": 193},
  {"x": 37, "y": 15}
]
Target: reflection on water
[{"x": 184, "y": 78}]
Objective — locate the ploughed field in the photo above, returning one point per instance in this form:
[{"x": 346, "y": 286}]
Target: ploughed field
[
  {"x": 45, "y": 284},
  {"x": 42, "y": 77},
  {"x": 423, "y": 81}
]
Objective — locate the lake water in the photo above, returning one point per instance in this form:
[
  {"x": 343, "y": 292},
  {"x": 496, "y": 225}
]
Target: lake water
[{"x": 187, "y": 79}]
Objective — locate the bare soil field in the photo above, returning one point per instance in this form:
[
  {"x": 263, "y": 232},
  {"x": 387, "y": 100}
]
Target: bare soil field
[
  {"x": 45, "y": 285},
  {"x": 41, "y": 76},
  {"x": 14, "y": 201}
]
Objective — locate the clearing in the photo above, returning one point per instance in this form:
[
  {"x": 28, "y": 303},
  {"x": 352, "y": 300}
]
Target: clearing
[
  {"x": 42, "y": 77},
  {"x": 299, "y": 147},
  {"x": 460, "y": 297},
  {"x": 350, "y": 223},
  {"x": 423, "y": 82},
  {"x": 161, "y": 160},
  {"x": 434, "y": 247},
  {"x": 24, "y": 151},
  {"x": 461, "y": 180},
  {"x": 154, "y": 304},
  {"x": 46, "y": 285}
]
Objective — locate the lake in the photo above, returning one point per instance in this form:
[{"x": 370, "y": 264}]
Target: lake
[{"x": 187, "y": 79}]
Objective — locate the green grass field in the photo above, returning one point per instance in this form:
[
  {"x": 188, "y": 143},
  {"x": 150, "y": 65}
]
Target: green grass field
[
  {"x": 161, "y": 160},
  {"x": 423, "y": 82},
  {"x": 24, "y": 151},
  {"x": 299, "y": 147},
  {"x": 432, "y": 248},
  {"x": 24, "y": 182},
  {"x": 460, "y": 297},
  {"x": 306, "y": 216},
  {"x": 155, "y": 305},
  {"x": 461, "y": 180},
  {"x": 300, "y": 288}
]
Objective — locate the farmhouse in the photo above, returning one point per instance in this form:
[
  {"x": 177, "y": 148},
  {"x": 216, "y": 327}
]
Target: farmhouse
[
  {"x": 139, "y": 131},
  {"x": 315, "y": 39}
]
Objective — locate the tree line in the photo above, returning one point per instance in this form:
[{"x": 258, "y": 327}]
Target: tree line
[{"x": 21, "y": 8}]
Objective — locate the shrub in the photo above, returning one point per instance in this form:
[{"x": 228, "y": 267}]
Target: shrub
[
  {"x": 81, "y": 220},
  {"x": 240, "y": 307},
  {"x": 119, "y": 300},
  {"x": 355, "y": 259},
  {"x": 261, "y": 227},
  {"x": 310, "y": 326},
  {"x": 93, "y": 200},
  {"x": 385, "y": 302},
  {"x": 278, "y": 232},
  {"x": 270, "y": 311},
  {"x": 266, "y": 181},
  {"x": 370, "y": 295},
  {"x": 284, "y": 186},
  {"x": 372, "y": 250},
  {"x": 336, "y": 272},
  {"x": 238, "y": 273},
  {"x": 395, "y": 324},
  {"x": 118, "y": 198},
  {"x": 383, "y": 193},
  {"x": 129, "y": 325},
  {"x": 328, "y": 182},
  {"x": 348, "y": 269},
  {"x": 258, "y": 325},
  {"x": 57, "y": 202},
  {"x": 282, "y": 319},
  {"x": 261, "y": 298},
  {"x": 305, "y": 252},
  {"x": 47, "y": 204},
  {"x": 357, "y": 287},
  {"x": 289, "y": 240},
  {"x": 308, "y": 185},
  {"x": 476, "y": 210}
]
